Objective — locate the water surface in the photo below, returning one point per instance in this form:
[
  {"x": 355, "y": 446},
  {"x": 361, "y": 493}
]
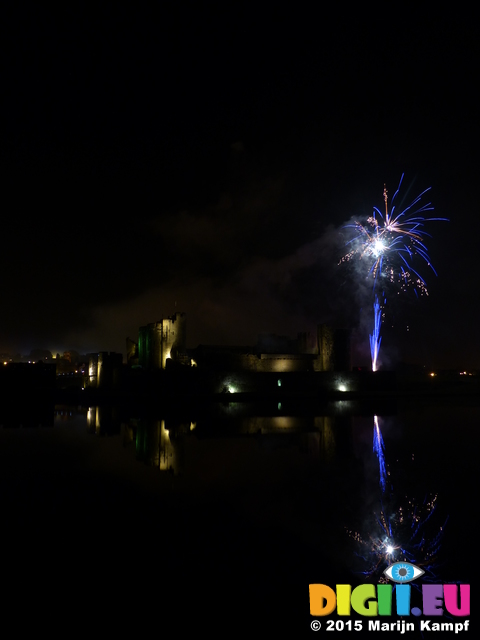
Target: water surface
[{"x": 114, "y": 520}]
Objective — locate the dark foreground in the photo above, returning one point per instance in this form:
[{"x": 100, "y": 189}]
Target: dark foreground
[{"x": 97, "y": 538}]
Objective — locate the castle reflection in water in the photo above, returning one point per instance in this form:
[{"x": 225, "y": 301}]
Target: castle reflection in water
[{"x": 159, "y": 442}]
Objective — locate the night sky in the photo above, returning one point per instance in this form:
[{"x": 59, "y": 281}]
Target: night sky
[{"x": 205, "y": 161}]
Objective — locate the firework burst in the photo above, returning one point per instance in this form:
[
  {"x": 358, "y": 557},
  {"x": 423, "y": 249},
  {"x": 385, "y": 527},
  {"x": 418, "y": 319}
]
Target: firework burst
[
  {"x": 404, "y": 532},
  {"x": 385, "y": 246},
  {"x": 388, "y": 243}
]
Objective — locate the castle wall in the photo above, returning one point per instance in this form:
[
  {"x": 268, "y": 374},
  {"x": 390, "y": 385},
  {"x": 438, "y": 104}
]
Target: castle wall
[
  {"x": 142, "y": 338},
  {"x": 174, "y": 342},
  {"x": 132, "y": 352},
  {"x": 92, "y": 370},
  {"x": 104, "y": 370},
  {"x": 159, "y": 341},
  {"x": 167, "y": 340},
  {"x": 326, "y": 341},
  {"x": 334, "y": 349}
]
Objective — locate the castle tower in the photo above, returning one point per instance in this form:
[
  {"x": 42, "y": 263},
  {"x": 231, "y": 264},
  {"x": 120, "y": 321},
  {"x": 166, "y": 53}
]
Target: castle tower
[
  {"x": 334, "y": 349},
  {"x": 159, "y": 341},
  {"x": 174, "y": 337},
  {"x": 326, "y": 345}
]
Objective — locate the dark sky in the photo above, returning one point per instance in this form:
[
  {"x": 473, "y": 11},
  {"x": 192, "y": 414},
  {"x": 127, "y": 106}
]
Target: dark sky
[{"x": 205, "y": 161}]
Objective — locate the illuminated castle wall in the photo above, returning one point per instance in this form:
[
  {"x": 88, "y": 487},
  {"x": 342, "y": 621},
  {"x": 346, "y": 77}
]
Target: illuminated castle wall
[
  {"x": 331, "y": 353},
  {"x": 104, "y": 370},
  {"x": 159, "y": 341}
]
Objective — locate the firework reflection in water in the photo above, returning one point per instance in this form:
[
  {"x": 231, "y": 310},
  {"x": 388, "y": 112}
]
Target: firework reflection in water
[
  {"x": 401, "y": 533},
  {"x": 401, "y": 530},
  {"x": 379, "y": 449}
]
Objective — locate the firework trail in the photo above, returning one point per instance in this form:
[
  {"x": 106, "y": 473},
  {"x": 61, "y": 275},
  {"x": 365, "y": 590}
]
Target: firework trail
[
  {"x": 379, "y": 449},
  {"x": 385, "y": 247},
  {"x": 402, "y": 532},
  {"x": 375, "y": 338},
  {"x": 386, "y": 244}
]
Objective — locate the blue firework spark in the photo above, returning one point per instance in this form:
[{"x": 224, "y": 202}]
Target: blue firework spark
[
  {"x": 405, "y": 532},
  {"x": 403, "y": 529},
  {"x": 388, "y": 243},
  {"x": 375, "y": 338},
  {"x": 379, "y": 449}
]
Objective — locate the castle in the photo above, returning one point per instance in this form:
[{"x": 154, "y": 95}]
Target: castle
[
  {"x": 163, "y": 343},
  {"x": 163, "y": 340},
  {"x": 311, "y": 365}
]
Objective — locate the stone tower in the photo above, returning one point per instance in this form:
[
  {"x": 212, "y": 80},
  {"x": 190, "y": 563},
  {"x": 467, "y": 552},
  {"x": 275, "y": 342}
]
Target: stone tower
[{"x": 159, "y": 341}]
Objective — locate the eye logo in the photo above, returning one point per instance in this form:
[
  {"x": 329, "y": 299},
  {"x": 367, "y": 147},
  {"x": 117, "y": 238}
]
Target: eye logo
[{"x": 403, "y": 572}]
